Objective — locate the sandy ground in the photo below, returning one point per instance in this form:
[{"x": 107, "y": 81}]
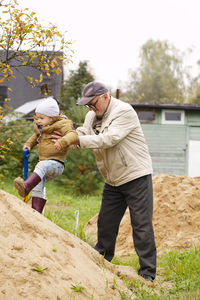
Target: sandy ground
[
  {"x": 28, "y": 240},
  {"x": 176, "y": 216}
]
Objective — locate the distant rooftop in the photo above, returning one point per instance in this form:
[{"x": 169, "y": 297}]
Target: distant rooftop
[
  {"x": 167, "y": 105},
  {"x": 28, "y": 107},
  {"x": 25, "y": 110}
]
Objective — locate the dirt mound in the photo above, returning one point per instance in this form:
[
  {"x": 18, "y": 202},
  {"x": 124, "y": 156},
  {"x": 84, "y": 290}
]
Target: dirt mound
[
  {"x": 30, "y": 243},
  {"x": 176, "y": 215}
]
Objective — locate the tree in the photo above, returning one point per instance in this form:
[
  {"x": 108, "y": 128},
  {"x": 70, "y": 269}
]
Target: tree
[
  {"x": 194, "y": 89},
  {"x": 72, "y": 90},
  {"x": 25, "y": 42},
  {"x": 160, "y": 77}
]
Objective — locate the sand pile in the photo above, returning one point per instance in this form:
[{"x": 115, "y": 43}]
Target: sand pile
[
  {"x": 30, "y": 243},
  {"x": 176, "y": 215}
]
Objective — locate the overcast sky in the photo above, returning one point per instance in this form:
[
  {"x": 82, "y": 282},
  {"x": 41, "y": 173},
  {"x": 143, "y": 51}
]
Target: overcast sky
[{"x": 109, "y": 33}]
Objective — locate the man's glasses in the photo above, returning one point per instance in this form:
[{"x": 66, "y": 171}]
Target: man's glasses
[{"x": 93, "y": 105}]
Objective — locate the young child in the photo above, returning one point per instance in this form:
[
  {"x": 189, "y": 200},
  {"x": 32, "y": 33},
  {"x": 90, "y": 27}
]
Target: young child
[{"x": 51, "y": 155}]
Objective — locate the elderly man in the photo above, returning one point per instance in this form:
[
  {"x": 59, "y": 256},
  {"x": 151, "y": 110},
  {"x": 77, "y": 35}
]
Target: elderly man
[{"x": 112, "y": 129}]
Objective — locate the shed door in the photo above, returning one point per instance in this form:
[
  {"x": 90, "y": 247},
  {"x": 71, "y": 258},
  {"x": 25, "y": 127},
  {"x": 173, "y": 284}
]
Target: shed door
[{"x": 194, "y": 159}]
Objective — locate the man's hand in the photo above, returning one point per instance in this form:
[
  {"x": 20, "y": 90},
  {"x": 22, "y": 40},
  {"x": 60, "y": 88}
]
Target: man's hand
[
  {"x": 57, "y": 146},
  {"x": 56, "y": 136},
  {"x": 77, "y": 143}
]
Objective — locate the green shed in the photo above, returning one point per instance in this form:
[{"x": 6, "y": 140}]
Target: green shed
[{"x": 172, "y": 132}]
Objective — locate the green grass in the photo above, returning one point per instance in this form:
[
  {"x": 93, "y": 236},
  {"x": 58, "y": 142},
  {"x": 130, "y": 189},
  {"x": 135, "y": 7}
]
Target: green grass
[
  {"x": 178, "y": 272},
  {"x": 61, "y": 209},
  {"x": 61, "y": 206},
  {"x": 178, "y": 275},
  {"x": 183, "y": 269}
]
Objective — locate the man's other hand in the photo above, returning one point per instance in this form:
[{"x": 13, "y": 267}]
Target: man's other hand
[{"x": 56, "y": 136}]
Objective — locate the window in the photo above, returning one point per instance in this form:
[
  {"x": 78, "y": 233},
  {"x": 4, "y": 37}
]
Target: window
[
  {"x": 3, "y": 94},
  {"x": 173, "y": 117},
  {"x": 146, "y": 115}
]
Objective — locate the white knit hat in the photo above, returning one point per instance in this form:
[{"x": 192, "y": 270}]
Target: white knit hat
[{"x": 48, "y": 107}]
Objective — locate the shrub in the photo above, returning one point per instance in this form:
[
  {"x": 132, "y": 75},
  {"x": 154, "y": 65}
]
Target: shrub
[
  {"x": 11, "y": 163},
  {"x": 80, "y": 175}
]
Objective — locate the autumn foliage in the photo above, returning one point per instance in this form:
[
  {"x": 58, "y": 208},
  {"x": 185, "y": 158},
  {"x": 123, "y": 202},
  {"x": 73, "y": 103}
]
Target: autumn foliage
[{"x": 25, "y": 42}]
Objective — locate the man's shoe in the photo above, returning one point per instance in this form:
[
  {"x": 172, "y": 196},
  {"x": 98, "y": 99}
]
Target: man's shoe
[{"x": 147, "y": 277}]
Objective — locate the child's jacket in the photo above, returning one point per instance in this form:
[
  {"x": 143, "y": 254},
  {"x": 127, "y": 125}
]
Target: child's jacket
[{"x": 43, "y": 139}]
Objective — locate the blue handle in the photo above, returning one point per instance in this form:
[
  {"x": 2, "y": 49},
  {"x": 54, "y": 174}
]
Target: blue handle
[{"x": 25, "y": 155}]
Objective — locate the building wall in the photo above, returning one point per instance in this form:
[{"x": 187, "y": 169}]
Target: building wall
[
  {"x": 193, "y": 136},
  {"x": 22, "y": 91},
  {"x": 168, "y": 144},
  {"x": 193, "y": 118}
]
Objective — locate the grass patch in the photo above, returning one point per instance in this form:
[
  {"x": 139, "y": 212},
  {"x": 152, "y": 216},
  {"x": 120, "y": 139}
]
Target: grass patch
[
  {"x": 127, "y": 260},
  {"x": 182, "y": 268},
  {"x": 61, "y": 206},
  {"x": 178, "y": 272}
]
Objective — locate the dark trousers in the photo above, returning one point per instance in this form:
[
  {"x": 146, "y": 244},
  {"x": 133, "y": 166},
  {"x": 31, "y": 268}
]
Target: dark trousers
[{"x": 138, "y": 196}]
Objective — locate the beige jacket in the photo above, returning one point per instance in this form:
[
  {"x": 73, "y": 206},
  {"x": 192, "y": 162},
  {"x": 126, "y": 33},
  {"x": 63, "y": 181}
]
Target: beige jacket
[
  {"x": 44, "y": 141},
  {"x": 120, "y": 149}
]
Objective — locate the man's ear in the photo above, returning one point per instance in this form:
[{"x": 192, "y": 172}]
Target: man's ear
[{"x": 106, "y": 96}]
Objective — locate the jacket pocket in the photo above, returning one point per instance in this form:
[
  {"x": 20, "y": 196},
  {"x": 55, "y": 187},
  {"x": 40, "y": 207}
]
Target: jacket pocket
[{"x": 122, "y": 157}]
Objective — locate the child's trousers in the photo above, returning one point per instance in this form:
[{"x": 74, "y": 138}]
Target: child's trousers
[{"x": 47, "y": 170}]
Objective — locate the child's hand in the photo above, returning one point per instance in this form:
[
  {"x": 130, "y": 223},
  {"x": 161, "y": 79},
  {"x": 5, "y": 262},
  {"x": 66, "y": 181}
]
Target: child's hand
[
  {"x": 57, "y": 146},
  {"x": 27, "y": 147}
]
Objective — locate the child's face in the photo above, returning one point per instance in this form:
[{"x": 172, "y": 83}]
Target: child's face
[{"x": 43, "y": 120}]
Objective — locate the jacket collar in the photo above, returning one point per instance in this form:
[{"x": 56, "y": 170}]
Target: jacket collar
[
  {"x": 46, "y": 128},
  {"x": 109, "y": 108},
  {"x": 108, "y": 114}
]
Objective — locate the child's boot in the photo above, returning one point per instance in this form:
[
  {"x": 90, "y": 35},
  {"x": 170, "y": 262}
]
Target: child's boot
[
  {"x": 38, "y": 204},
  {"x": 24, "y": 187}
]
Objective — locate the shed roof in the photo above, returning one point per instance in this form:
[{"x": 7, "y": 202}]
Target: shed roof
[
  {"x": 167, "y": 106},
  {"x": 22, "y": 111},
  {"x": 28, "y": 106}
]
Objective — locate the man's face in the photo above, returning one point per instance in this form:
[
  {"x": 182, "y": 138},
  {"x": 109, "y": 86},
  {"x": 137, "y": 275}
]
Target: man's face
[{"x": 99, "y": 104}]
